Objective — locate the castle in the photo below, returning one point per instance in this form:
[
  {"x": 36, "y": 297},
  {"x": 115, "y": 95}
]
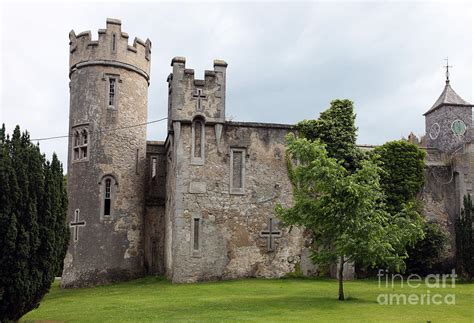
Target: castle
[{"x": 199, "y": 205}]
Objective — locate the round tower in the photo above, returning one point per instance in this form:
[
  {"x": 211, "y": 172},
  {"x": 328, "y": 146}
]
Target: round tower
[{"x": 107, "y": 149}]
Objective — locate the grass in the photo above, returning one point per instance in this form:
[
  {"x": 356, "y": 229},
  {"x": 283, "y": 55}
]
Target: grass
[{"x": 153, "y": 299}]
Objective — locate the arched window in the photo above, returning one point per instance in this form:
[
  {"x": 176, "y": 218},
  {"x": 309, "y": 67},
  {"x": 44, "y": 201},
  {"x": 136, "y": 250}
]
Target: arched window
[
  {"x": 198, "y": 142},
  {"x": 108, "y": 190},
  {"x": 197, "y": 139},
  {"x": 76, "y": 145},
  {"x": 80, "y": 142},
  {"x": 83, "y": 148},
  {"x": 77, "y": 141},
  {"x": 107, "y": 197}
]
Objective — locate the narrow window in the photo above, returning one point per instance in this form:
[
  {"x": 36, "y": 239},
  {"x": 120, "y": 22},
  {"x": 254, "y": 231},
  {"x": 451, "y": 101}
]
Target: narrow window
[
  {"x": 237, "y": 171},
  {"x": 112, "y": 92},
  {"x": 83, "y": 149},
  {"x": 197, "y": 139},
  {"x": 84, "y": 137},
  {"x": 76, "y": 139},
  {"x": 153, "y": 168},
  {"x": 107, "y": 196},
  {"x": 196, "y": 233},
  {"x": 76, "y": 145},
  {"x": 113, "y": 43}
]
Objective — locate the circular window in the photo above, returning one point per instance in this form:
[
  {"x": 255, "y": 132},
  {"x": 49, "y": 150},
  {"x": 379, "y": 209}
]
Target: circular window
[
  {"x": 458, "y": 127},
  {"x": 434, "y": 131}
]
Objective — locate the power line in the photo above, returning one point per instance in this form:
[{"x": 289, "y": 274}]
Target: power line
[{"x": 105, "y": 130}]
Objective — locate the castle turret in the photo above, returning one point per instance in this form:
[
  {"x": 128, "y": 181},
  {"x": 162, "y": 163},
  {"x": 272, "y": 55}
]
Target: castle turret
[
  {"x": 448, "y": 122},
  {"x": 107, "y": 147},
  {"x": 190, "y": 98}
]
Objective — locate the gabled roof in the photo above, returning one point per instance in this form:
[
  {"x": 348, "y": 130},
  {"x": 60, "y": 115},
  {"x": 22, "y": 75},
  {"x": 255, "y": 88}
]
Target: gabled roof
[{"x": 448, "y": 97}]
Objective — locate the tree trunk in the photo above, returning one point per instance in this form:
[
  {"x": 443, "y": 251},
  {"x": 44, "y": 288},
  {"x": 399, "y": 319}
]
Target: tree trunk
[{"x": 341, "y": 279}]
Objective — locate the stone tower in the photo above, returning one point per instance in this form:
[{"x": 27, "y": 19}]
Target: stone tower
[
  {"x": 448, "y": 122},
  {"x": 450, "y": 159},
  {"x": 108, "y": 98}
]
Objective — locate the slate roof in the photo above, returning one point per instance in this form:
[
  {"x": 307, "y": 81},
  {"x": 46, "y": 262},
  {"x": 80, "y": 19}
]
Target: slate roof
[{"x": 448, "y": 97}]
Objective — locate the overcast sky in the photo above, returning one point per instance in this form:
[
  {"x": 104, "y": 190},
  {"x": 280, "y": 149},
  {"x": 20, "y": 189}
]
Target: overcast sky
[{"x": 287, "y": 61}]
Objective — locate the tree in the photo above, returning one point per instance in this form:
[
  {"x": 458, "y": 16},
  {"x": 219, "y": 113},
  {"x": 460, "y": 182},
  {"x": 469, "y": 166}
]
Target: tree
[
  {"x": 403, "y": 172},
  {"x": 464, "y": 240},
  {"x": 344, "y": 210},
  {"x": 33, "y": 230},
  {"x": 335, "y": 128}
]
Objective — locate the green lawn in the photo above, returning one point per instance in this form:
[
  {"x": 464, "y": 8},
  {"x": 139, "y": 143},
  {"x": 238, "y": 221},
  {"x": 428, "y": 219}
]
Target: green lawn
[{"x": 151, "y": 299}]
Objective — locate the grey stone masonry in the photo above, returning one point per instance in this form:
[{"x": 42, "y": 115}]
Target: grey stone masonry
[
  {"x": 106, "y": 178},
  {"x": 448, "y": 124},
  {"x": 200, "y": 205}
]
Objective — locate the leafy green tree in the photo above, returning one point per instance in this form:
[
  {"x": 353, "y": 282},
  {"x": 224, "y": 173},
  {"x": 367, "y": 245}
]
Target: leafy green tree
[
  {"x": 403, "y": 172},
  {"x": 464, "y": 240},
  {"x": 345, "y": 210},
  {"x": 336, "y": 128},
  {"x": 33, "y": 230},
  {"x": 427, "y": 251}
]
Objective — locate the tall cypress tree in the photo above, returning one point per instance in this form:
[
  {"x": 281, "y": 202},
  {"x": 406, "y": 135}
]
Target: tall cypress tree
[
  {"x": 464, "y": 240},
  {"x": 33, "y": 230}
]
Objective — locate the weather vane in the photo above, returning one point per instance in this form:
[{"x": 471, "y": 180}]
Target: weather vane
[{"x": 447, "y": 69}]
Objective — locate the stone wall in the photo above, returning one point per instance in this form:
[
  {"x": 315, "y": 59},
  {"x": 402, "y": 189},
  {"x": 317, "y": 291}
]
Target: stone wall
[
  {"x": 231, "y": 245},
  {"x": 155, "y": 195}
]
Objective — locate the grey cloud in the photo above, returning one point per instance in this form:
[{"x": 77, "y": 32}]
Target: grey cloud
[{"x": 286, "y": 61}]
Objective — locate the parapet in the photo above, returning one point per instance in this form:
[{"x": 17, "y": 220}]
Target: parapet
[
  {"x": 189, "y": 97},
  {"x": 111, "y": 48},
  {"x": 181, "y": 72}
]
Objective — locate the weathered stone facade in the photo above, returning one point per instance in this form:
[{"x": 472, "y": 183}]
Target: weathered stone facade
[
  {"x": 199, "y": 205},
  {"x": 450, "y": 160},
  {"x": 107, "y": 240}
]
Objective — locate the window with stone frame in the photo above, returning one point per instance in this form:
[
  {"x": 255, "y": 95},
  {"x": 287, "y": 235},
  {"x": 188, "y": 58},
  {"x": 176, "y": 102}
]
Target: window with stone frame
[
  {"x": 76, "y": 145},
  {"x": 196, "y": 223},
  {"x": 107, "y": 197},
  {"x": 112, "y": 92},
  {"x": 237, "y": 170},
  {"x": 80, "y": 143},
  {"x": 84, "y": 140},
  {"x": 108, "y": 190},
  {"x": 196, "y": 236},
  {"x": 198, "y": 142}
]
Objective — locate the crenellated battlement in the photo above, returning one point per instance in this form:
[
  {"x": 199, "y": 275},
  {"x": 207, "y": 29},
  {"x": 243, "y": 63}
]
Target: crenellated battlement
[
  {"x": 111, "y": 48},
  {"x": 190, "y": 97},
  {"x": 210, "y": 77}
]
